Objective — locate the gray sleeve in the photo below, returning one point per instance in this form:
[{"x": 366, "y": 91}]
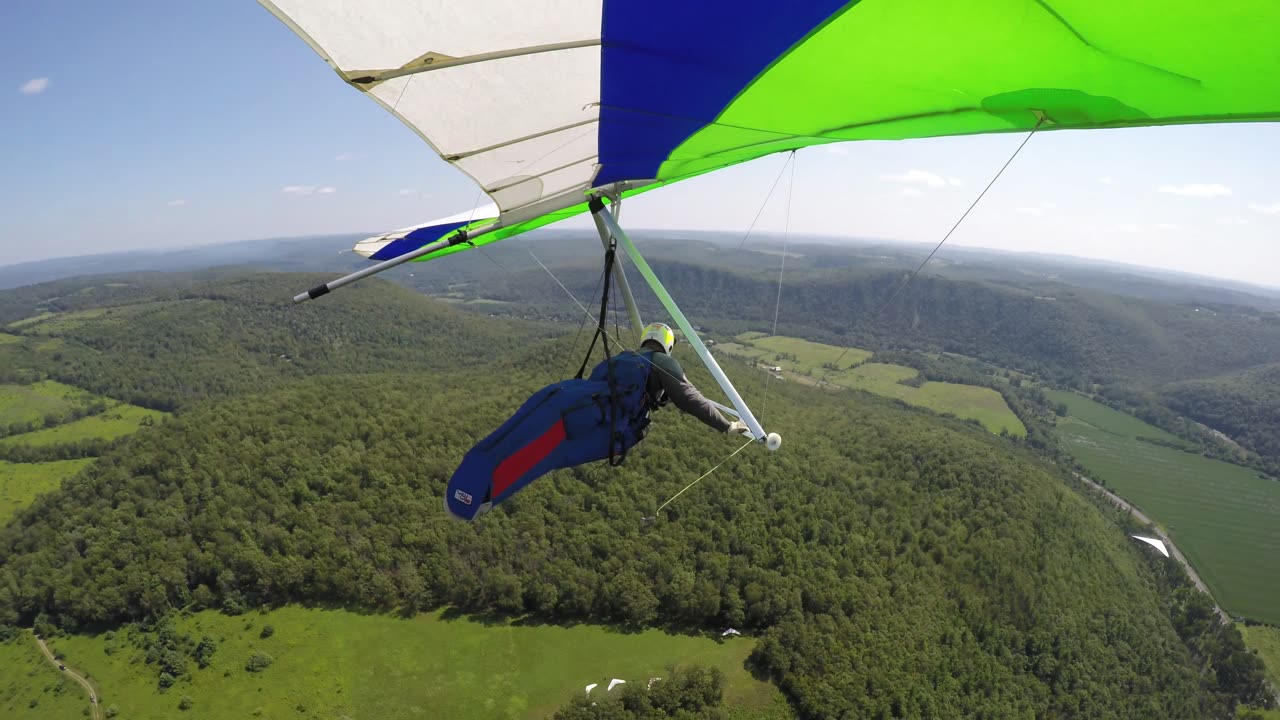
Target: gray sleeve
[{"x": 684, "y": 395}]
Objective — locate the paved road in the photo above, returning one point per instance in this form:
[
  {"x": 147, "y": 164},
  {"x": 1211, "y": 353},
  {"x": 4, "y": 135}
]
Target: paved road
[
  {"x": 1173, "y": 549},
  {"x": 93, "y": 697}
]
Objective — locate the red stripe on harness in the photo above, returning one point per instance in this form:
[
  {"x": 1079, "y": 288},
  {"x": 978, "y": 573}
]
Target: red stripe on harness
[{"x": 523, "y": 460}]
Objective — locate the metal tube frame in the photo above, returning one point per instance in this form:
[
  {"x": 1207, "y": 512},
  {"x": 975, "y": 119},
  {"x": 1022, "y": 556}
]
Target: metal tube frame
[
  {"x": 605, "y": 218},
  {"x": 620, "y": 277},
  {"x": 457, "y": 238}
]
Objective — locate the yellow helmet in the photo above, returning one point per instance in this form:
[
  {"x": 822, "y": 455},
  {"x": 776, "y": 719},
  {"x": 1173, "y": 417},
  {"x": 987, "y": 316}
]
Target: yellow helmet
[{"x": 659, "y": 333}]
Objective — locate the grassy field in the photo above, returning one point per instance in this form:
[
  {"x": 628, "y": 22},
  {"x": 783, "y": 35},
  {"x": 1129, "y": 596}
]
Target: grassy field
[
  {"x": 20, "y": 483},
  {"x": 1222, "y": 516},
  {"x": 7, "y": 339},
  {"x": 807, "y": 354},
  {"x": 965, "y": 401},
  {"x": 26, "y": 676},
  {"x": 1265, "y": 639},
  {"x": 117, "y": 421},
  {"x": 16, "y": 324},
  {"x": 62, "y": 322},
  {"x": 334, "y": 664},
  {"x": 24, "y": 403}
]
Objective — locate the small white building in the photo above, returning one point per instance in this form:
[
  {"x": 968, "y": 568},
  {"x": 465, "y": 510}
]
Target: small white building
[{"x": 614, "y": 682}]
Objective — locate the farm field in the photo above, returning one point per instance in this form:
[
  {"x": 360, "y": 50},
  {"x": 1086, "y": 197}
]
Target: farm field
[
  {"x": 27, "y": 403},
  {"x": 965, "y": 401},
  {"x": 16, "y": 324},
  {"x": 115, "y": 422},
  {"x": 1266, "y": 640},
  {"x": 807, "y": 354},
  {"x": 30, "y": 687},
  {"x": 333, "y": 663},
  {"x": 20, "y": 483},
  {"x": 1221, "y": 515},
  {"x": 52, "y": 324}
]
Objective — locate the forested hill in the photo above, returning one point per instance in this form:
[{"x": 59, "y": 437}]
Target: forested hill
[
  {"x": 1245, "y": 405},
  {"x": 1076, "y": 334},
  {"x": 892, "y": 563},
  {"x": 161, "y": 341}
]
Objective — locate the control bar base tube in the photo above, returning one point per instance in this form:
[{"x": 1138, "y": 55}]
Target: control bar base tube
[
  {"x": 457, "y": 238},
  {"x": 744, "y": 413},
  {"x": 620, "y": 276}
]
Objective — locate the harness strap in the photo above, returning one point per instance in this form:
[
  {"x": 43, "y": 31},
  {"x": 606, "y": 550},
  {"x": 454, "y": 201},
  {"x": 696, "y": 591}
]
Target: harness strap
[{"x": 602, "y": 334}]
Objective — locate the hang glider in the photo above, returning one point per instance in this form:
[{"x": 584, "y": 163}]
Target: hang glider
[
  {"x": 559, "y": 107},
  {"x": 1156, "y": 543}
]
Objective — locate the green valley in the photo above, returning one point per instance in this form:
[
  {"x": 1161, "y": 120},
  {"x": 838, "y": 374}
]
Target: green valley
[
  {"x": 811, "y": 362},
  {"x": 885, "y": 561},
  {"x": 1222, "y": 516},
  {"x": 334, "y": 663}
]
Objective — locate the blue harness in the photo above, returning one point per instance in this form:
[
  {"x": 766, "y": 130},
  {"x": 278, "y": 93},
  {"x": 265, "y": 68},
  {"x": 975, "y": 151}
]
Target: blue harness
[{"x": 569, "y": 423}]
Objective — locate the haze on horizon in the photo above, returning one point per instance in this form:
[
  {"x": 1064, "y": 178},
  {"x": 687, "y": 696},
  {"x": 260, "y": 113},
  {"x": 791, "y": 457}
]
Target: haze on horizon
[{"x": 265, "y": 141}]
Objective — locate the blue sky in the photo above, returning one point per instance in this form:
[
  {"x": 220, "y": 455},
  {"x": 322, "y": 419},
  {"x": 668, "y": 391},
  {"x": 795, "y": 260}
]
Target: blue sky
[{"x": 151, "y": 124}]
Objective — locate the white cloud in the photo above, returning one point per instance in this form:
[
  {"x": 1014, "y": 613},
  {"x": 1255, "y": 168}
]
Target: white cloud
[
  {"x": 955, "y": 182},
  {"x": 34, "y": 86},
  {"x": 1272, "y": 209},
  {"x": 919, "y": 177},
  {"x": 837, "y": 149},
  {"x": 344, "y": 156},
  {"x": 1048, "y": 205},
  {"x": 1202, "y": 190},
  {"x": 179, "y": 202},
  {"x": 1129, "y": 227},
  {"x": 1168, "y": 226},
  {"x": 405, "y": 191},
  {"x": 1232, "y": 221},
  {"x": 911, "y": 192},
  {"x": 308, "y": 189},
  {"x": 1105, "y": 180}
]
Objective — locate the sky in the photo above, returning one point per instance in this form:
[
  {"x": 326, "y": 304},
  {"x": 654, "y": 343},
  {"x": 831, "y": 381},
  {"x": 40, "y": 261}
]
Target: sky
[{"x": 145, "y": 124}]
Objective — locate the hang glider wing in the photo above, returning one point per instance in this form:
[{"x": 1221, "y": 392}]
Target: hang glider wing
[{"x": 542, "y": 102}]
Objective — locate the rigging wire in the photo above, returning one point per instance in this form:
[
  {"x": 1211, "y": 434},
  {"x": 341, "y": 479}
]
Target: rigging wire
[
  {"x": 782, "y": 267},
  {"x": 790, "y": 160},
  {"x": 623, "y": 345},
  {"x": 587, "y": 313},
  {"x": 700, "y": 479},
  {"x": 572, "y": 349},
  {"x": 946, "y": 237}
]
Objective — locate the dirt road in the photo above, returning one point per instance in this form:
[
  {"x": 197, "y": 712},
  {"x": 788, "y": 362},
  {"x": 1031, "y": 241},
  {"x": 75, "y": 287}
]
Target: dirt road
[
  {"x": 1173, "y": 549},
  {"x": 95, "y": 713}
]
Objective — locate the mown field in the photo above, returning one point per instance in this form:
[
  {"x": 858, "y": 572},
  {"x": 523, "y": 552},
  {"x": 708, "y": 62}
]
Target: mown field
[
  {"x": 26, "y": 403},
  {"x": 1265, "y": 639},
  {"x": 20, "y": 483},
  {"x": 117, "y": 421},
  {"x": 31, "y": 688},
  {"x": 805, "y": 361},
  {"x": 1222, "y": 516},
  {"x": 333, "y": 664}
]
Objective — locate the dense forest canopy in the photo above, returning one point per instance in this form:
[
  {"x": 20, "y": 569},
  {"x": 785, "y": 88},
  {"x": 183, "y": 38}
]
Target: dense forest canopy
[
  {"x": 163, "y": 341},
  {"x": 1244, "y": 405},
  {"x": 894, "y": 563}
]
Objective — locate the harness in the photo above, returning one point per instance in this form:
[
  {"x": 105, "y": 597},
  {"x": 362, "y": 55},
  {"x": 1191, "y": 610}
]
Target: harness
[{"x": 627, "y": 403}]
